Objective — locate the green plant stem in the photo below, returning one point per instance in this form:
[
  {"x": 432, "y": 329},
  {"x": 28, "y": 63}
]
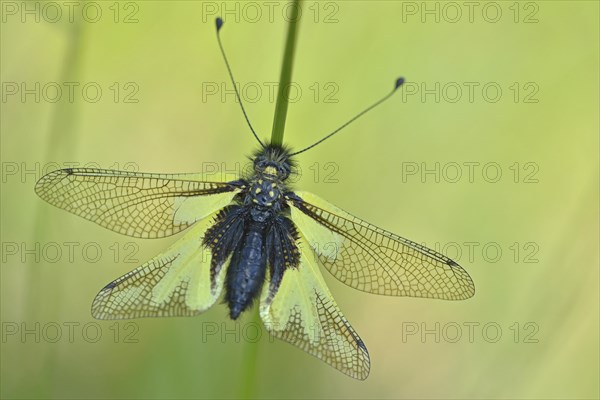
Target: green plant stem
[
  {"x": 248, "y": 381},
  {"x": 250, "y": 358},
  {"x": 285, "y": 78}
]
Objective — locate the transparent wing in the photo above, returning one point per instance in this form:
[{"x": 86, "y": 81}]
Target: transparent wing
[
  {"x": 134, "y": 204},
  {"x": 373, "y": 260},
  {"x": 178, "y": 282},
  {"x": 304, "y": 313}
]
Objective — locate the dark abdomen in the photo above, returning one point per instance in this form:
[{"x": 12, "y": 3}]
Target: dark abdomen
[{"x": 246, "y": 272}]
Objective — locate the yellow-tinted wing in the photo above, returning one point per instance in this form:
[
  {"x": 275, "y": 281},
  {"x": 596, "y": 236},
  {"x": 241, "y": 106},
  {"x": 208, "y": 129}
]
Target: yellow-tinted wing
[
  {"x": 373, "y": 260},
  {"x": 178, "y": 282},
  {"x": 134, "y": 204},
  {"x": 303, "y": 313}
]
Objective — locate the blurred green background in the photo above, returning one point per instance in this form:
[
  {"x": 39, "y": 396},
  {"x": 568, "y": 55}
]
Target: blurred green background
[{"x": 529, "y": 237}]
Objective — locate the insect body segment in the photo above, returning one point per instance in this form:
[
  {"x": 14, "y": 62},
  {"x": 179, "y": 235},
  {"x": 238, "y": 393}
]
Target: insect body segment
[
  {"x": 265, "y": 192},
  {"x": 246, "y": 273},
  {"x": 266, "y": 185}
]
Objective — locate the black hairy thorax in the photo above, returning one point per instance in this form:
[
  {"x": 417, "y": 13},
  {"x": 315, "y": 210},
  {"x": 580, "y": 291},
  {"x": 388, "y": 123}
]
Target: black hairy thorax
[{"x": 255, "y": 233}]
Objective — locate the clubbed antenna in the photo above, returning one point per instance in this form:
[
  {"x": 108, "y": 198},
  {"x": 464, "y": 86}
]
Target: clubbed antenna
[
  {"x": 219, "y": 23},
  {"x": 399, "y": 83}
]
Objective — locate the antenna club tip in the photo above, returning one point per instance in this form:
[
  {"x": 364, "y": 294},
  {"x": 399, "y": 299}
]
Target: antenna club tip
[
  {"x": 399, "y": 82},
  {"x": 219, "y": 23}
]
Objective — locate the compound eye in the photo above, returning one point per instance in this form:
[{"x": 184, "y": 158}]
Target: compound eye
[
  {"x": 261, "y": 164},
  {"x": 281, "y": 171}
]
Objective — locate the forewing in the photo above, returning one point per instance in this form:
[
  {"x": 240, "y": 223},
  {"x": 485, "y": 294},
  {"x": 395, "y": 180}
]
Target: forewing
[
  {"x": 303, "y": 313},
  {"x": 134, "y": 204},
  {"x": 178, "y": 282},
  {"x": 373, "y": 260}
]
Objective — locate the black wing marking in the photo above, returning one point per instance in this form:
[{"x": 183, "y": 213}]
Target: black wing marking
[
  {"x": 135, "y": 204},
  {"x": 373, "y": 260}
]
